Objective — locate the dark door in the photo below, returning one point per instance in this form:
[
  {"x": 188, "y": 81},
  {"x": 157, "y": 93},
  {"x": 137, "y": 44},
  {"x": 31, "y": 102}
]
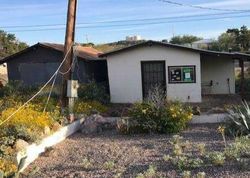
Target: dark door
[{"x": 153, "y": 74}]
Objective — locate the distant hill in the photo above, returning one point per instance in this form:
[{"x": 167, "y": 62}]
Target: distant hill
[{"x": 112, "y": 46}]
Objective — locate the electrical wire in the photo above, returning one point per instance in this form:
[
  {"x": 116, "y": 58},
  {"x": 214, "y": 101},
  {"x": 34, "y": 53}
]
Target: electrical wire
[
  {"x": 78, "y": 69},
  {"x": 72, "y": 64},
  {"x": 53, "y": 84},
  {"x": 51, "y": 89},
  {"x": 134, "y": 24},
  {"x": 34, "y": 96},
  {"x": 202, "y": 7},
  {"x": 121, "y": 21}
]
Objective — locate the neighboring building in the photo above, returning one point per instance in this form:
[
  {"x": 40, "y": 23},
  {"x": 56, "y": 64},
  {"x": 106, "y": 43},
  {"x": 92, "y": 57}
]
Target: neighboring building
[
  {"x": 36, "y": 64},
  {"x": 186, "y": 73},
  {"x": 203, "y": 44},
  {"x": 133, "y": 38}
]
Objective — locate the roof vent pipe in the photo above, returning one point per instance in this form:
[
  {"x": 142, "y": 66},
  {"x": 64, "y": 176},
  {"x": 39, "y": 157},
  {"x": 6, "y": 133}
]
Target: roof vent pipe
[{"x": 230, "y": 50}]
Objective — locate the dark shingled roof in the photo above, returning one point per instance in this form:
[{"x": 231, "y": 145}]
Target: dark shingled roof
[
  {"x": 87, "y": 53},
  {"x": 234, "y": 55}
]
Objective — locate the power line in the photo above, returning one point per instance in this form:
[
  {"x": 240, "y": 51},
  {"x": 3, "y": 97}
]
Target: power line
[
  {"x": 133, "y": 24},
  {"x": 202, "y": 7},
  {"x": 121, "y": 21}
]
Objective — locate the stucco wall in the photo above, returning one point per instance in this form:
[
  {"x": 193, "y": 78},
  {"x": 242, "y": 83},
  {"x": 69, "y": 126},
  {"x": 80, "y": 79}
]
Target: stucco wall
[
  {"x": 124, "y": 70},
  {"x": 218, "y": 69}
]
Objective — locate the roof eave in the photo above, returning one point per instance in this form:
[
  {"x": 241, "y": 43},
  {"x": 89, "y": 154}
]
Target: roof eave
[{"x": 201, "y": 51}]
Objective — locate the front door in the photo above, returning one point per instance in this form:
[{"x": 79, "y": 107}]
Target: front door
[{"x": 153, "y": 74}]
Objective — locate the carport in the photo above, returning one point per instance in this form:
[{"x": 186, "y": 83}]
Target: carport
[{"x": 213, "y": 81}]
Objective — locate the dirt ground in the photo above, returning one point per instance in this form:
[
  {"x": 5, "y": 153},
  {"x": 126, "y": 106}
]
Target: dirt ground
[{"x": 112, "y": 155}]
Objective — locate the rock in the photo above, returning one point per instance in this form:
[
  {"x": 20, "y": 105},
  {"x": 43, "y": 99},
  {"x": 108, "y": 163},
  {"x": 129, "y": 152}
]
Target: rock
[
  {"x": 47, "y": 130},
  {"x": 96, "y": 123},
  {"x": 71, "y": 118},
  {"x": 20, "y": 145},
  {"x": 196, "y": 110},
  {"x": 56, "y": 126}
]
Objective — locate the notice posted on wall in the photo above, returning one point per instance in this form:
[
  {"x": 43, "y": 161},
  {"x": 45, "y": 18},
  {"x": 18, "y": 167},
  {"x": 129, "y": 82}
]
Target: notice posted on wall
[
  {"x": 181, "y": 74},
  {"x": 187, "y": 74}
]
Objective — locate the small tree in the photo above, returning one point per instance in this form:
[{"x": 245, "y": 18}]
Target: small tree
[{"x": 185, "y": 39}]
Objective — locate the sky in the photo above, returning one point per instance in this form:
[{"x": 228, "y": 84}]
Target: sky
[{"x": 102, "y": 21}]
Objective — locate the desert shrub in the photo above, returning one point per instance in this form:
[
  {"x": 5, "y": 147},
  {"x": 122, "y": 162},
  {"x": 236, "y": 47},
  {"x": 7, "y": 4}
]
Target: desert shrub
[
  {"x": 145, "y": 115},
  {"x": 17, "y": 89},
  {"x": 243, "y": 145},
  {"x": 7, "y": 168},
  {"x": 8, "y": 102},
  {"x": 178, "y": 115},
  {"x": 246, "y": 86},
  {"x": 171, "y": 117},
  {"x": 239, "y": 120},
  {"x": 129, "y": 126},
  {"x": 217, "y": 158},
  {"x": 109, "y": 165},
  {"x": 88, "y": 107},
  {"x": 93, "y": 91},
  {"x": 15, "y": 93},
  {"x": 182, "y": 158},
  {"x": 150, "y": 172},
  {"x": 87, "y": 163},
  {"x": 27, "y": 124}
]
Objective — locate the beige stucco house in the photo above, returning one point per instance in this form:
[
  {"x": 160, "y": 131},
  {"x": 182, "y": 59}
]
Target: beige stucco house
[{"x": 185, "y": 73}]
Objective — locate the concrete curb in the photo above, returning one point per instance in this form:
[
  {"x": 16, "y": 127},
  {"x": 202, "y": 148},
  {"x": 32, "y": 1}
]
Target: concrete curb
[
  {"x": 201, "y": 119},
  {"x": 33, "y": 151},
  {"x": 209, "y": 118}
]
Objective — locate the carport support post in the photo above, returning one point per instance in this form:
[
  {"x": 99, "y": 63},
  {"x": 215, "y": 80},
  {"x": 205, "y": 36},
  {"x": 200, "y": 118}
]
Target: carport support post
[
  {"x": 68, "y": 46},
  {"x": 242, "y": 77}
]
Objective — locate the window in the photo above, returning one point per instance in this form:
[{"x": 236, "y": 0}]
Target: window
[{"x": 181, "y": 74}]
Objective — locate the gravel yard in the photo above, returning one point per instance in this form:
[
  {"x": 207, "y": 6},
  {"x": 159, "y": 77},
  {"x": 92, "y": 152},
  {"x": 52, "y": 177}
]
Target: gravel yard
[{"x": 112, "y": 155}]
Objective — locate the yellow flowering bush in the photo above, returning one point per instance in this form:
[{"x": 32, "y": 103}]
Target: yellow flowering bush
[
  {"x": 8, "y": 168},
  {"x": 171, "y": 117},
  {"x": 27, "y": 124},
  {"x": 88, "y": 107},
  {"x": 178, "y": 116}
]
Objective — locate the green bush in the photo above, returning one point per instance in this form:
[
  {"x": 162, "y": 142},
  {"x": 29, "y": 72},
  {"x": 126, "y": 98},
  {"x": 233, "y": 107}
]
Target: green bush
[
  {"x": 89, "y": 107},
  {"x": 93, "y": 91},
  {"x": 178, "y": 115},
  {"x": 18, "y": 89},
  {"x": 145, "y": 115},
  {"x": 172, "y": 117}
]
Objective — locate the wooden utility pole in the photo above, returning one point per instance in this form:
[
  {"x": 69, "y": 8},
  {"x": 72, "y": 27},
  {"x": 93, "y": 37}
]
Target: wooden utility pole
[{"x": 68, "y": 45}]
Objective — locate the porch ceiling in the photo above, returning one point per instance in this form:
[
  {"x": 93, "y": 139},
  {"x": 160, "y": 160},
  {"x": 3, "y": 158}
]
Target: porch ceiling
[{"x": 233, "y": 55}]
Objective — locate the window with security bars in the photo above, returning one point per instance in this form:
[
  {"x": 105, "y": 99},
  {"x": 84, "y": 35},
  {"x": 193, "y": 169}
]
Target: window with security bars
[{"x": 153, "y": 74}]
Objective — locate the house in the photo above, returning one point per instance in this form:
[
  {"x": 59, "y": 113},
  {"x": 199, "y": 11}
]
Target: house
[
  {"x": 36, "y": 64},
  {"x": 185, "y": 73}
]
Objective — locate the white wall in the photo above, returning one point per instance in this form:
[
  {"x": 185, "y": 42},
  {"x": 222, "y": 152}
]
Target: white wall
[
  {"x": 218, "y": 69},
  {"x": 124, "y": 70}
]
